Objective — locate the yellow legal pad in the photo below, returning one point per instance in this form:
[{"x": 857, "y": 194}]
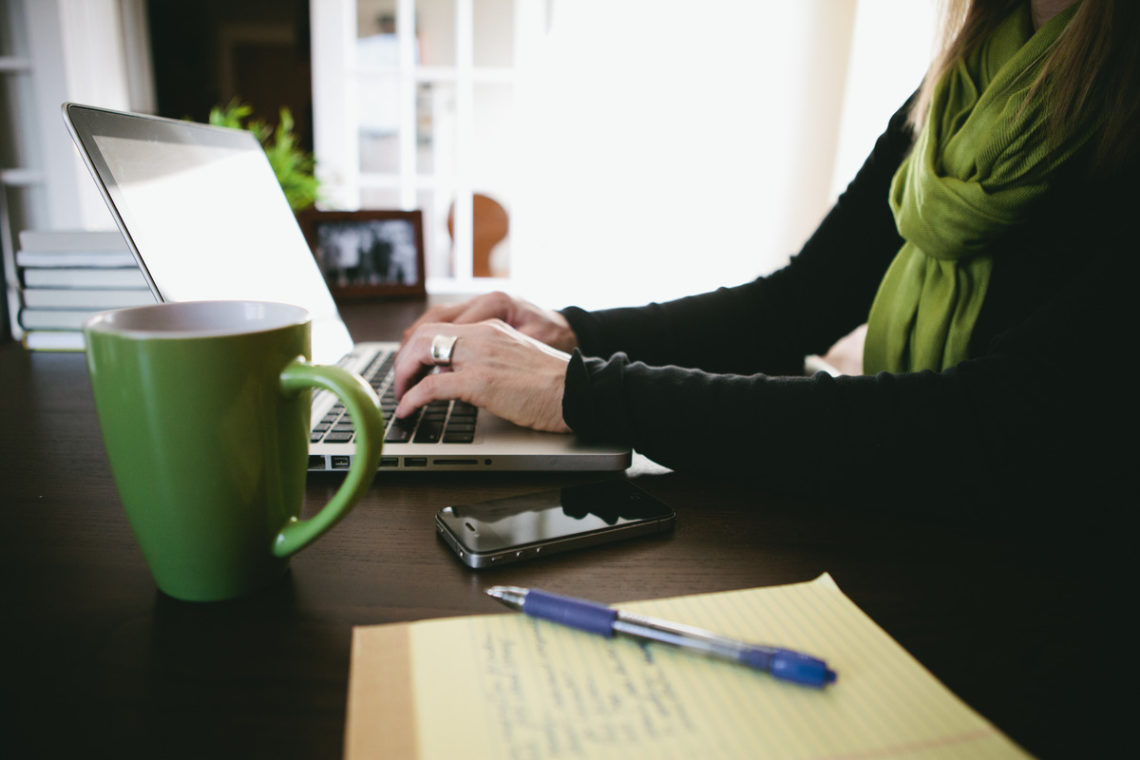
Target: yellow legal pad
[{"x": 509, "y": 686}]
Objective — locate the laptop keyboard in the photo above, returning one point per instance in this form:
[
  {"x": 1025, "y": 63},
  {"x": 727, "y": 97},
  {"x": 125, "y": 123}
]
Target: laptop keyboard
[{"x": 438, "y": 422}]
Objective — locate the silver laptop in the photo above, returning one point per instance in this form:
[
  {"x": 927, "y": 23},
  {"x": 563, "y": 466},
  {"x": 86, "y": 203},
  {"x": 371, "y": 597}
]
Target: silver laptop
[{"x": 206, "y": 219}]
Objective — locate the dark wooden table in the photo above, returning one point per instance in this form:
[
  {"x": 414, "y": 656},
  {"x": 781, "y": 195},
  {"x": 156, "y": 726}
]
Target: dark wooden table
[{"x": 96, "y": 659}]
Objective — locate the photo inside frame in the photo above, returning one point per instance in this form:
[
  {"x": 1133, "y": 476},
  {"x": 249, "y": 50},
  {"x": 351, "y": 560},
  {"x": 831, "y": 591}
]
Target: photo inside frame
[{"x": 368, "y": 252}]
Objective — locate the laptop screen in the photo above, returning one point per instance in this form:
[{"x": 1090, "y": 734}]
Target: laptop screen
[{"x": 203, "y": 212}]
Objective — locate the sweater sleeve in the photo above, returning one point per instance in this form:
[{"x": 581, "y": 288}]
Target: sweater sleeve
[
  {"x": 770, "y": 324},
  {"x": 1027, "y": 420}
]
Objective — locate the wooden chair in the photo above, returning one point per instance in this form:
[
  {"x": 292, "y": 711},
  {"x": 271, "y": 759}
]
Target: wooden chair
[{"x": 491, "y": 225}]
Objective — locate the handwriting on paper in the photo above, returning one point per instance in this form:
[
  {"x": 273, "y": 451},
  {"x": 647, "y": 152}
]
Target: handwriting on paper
[{"x": 577, "y": 712}]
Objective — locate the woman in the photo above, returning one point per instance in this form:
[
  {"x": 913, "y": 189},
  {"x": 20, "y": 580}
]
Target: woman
[{"x": 984, "y": 243}]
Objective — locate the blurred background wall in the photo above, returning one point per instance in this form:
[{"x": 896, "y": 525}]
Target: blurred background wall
[{"x": 642, "y": 149}]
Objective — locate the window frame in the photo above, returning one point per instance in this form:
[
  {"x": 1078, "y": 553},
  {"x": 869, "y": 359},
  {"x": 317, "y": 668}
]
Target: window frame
[{"x": 337, "y": 77}]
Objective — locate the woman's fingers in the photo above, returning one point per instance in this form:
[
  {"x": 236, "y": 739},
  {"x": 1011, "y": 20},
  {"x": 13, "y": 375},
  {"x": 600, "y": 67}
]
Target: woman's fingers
[
  {"x": 440, "y": 313},
  {"x": 487, "y": 306},
  {"x": 414, "y": 359},
  {"x": 545, "y": 325},
  {"x": 433, "y": 387},
  {"x": 492, "y": 366}
]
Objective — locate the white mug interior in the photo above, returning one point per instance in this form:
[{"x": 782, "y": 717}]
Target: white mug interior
[{"x": 198, "y": 319}]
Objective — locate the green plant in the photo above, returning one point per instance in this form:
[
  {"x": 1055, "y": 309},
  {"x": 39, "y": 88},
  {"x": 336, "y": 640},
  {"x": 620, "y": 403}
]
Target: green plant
[{"x": 292, "y": 165}]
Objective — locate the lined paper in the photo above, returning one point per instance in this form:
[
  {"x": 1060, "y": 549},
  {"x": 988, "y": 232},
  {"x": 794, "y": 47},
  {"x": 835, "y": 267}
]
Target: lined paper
[{"x": 509, "y": 686}]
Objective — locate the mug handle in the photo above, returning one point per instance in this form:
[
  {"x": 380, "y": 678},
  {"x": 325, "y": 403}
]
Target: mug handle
[{"x": 367, "y": 419}]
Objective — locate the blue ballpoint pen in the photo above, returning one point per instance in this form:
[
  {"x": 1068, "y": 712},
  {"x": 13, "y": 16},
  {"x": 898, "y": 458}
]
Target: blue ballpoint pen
[{"x": 784, "y": 664}]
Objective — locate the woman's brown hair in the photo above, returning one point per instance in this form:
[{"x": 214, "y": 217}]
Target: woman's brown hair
[{"x": 1092, "y": 71}]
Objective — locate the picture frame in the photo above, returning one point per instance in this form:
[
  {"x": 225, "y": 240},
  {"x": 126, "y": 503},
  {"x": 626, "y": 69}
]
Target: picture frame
[{"x": 365, "y": 254}]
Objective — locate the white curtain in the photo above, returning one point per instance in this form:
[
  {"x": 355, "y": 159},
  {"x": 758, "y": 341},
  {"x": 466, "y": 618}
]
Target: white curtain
[{"x": 672, "y": 147}]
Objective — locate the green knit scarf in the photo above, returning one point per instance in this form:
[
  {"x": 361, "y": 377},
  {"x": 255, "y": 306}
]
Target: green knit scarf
[{"x": 977, "y": 166}]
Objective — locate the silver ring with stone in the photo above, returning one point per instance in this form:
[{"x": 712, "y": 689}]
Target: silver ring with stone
[{"x": 442, "y": 347}]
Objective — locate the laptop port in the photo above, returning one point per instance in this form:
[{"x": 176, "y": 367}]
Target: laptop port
[
  {"x": 316, "y": 462},
  {"x": 415, "y": 461},
  {"x": 340, "y": 463}
]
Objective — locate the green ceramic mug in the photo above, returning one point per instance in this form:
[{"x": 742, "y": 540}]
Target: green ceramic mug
[{"x": 204, "y": 408}]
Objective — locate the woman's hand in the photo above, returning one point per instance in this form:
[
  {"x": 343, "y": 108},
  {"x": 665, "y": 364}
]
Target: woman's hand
[
  {"x": 493, "y": 366},
  {"x": 544, "y": 325}
]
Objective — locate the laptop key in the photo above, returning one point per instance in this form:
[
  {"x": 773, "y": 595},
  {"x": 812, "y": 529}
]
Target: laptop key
[
  {"x": 429, "y": 431},
  {"x": 400, "y": 431}
]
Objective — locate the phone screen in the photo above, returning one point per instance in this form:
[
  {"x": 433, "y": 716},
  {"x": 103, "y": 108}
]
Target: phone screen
[{"x": 523, "y": 527}]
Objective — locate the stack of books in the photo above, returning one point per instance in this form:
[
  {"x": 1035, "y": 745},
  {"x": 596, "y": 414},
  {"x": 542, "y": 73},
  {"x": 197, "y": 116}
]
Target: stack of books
[{"x": 59, "y": 278}]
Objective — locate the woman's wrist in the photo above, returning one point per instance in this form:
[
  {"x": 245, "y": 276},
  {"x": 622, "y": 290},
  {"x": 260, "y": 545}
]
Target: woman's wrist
[{"x": 563, "y": 338}]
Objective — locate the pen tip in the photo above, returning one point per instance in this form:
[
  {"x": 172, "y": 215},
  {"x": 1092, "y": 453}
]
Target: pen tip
[{"x": 512, "y": 596}]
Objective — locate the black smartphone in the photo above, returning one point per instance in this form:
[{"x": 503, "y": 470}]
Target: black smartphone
[{"x": 500, "y": 531}]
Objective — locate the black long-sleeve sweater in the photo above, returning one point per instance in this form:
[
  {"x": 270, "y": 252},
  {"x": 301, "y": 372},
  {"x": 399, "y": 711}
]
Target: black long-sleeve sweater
[{"x": 709, "y": 382}]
